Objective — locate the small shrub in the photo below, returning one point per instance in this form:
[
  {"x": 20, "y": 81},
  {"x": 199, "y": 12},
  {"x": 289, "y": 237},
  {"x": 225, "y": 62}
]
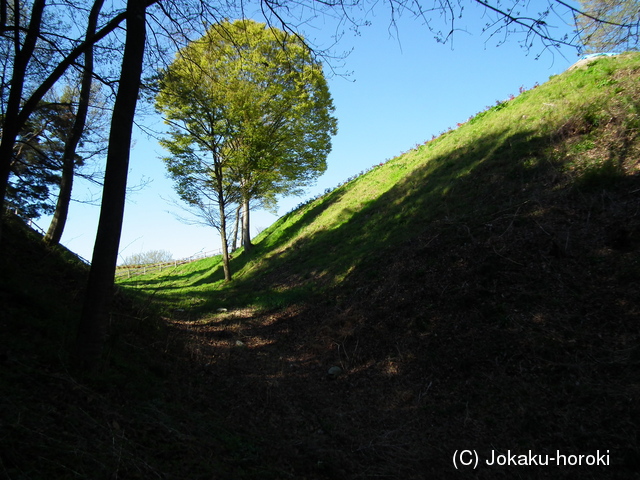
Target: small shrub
[{"x": 148, "y": 258}]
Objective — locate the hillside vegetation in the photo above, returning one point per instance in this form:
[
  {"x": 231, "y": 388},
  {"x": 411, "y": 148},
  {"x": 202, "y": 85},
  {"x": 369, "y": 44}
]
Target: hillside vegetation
[
  {"x": 477, "y": 292},
  {"x": 571, "y": 137}
]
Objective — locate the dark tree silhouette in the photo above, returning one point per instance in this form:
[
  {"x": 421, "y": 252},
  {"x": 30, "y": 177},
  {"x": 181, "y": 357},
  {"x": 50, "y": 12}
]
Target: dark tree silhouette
[
  {"x": 506, "y": 19},
  {"x": 94, "y": 318},
  {"x": 56, "y": 228}
]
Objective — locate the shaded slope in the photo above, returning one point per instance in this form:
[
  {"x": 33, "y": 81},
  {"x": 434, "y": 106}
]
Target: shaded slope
[
  {"x": 576, "y": 132},
  {"x": 141, "y": 416},
  {"x": 479, "y": 292},
  {"x": 545, "y": 141},
  {"x": 40, "y": 285}
]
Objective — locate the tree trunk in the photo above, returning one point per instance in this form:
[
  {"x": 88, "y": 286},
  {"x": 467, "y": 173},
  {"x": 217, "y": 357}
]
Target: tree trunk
[
  {"x": 54, "y": 234},
  {"x": 234, "y": 245},
  {"x": 246, "y": 235},
  {"x": 226, "y": 264},
  {"x": 95, "y": 312},
  {"x": 10, "y": 124},
  {"x": 15, "y": 116}
]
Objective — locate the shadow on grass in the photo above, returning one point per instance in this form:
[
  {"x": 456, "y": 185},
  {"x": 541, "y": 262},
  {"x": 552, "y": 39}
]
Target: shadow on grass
[
  {"x": 496, "y": 175},
  {"x": 445, "y": 187},
  {"x": 491, "y": 300},
  {"x": 488, "y": 302}
]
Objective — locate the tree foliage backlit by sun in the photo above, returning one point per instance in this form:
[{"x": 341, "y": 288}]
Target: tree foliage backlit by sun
[{"x": 250, "y": 118}]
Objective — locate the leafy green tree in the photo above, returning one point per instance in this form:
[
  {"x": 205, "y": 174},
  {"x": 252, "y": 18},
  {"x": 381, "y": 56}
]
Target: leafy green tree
[
  {"x": 37, "y": 159},
  {"x": 281, "y": 101},
  {"x": 199, "y": 171},
  {"x": 609, "y": 25},
  {"x": 250, "y": 118}
]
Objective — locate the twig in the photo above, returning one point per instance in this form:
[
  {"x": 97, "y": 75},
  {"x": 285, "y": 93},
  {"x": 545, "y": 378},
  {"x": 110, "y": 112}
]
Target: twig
[{"x": 506, "y": 258}]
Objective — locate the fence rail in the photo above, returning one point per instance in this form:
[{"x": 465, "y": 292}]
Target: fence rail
[
  {"x": 37, "y": 228},
  {"x": 133, "y": 270}
]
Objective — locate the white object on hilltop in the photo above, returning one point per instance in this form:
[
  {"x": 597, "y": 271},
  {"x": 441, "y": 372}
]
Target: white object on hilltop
[{"x": 587, "y": 59}]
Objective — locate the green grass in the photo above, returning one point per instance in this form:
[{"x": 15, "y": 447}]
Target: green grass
[
  {"x": 121, "y": 421},
  {"x": 561, "y": 129},
  {"x": 478, "y": 291}
]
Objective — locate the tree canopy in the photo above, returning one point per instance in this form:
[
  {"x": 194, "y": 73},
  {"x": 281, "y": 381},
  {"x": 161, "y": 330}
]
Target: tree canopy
[
  {"x": 42, "y": 41},
  {"x": 609, "y": 26},
  {"x": 147, "y": 258},
  {"x": 37, "y": 158},
  {"x": 250, "y": 117}
]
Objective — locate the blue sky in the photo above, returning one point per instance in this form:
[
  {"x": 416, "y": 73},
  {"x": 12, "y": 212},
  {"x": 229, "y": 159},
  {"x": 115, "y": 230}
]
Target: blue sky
[{"x": 404, "y": 88}]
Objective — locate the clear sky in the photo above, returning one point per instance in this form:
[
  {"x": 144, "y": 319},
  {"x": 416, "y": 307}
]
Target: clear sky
[{"x": 404, "y": 88}]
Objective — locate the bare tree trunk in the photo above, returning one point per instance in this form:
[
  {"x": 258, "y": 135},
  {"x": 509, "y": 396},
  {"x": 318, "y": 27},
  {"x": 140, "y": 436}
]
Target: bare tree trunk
[
  {"x": 11, "y": 126},
  {"x": 95, "y": 312},
  {"x": 54, "y": 234},
  {"x": 17, "y": 112},
  {"x": 234, "y": 245},
  {"x": 246, "y": 234},
  {"x": 3, "y": 15},
  {"x": 226, "y": 264}
]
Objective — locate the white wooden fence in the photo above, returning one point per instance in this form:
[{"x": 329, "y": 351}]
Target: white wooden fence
[
  {"x": 133, "y": 270},
  {"x": 30, "y": 223}
]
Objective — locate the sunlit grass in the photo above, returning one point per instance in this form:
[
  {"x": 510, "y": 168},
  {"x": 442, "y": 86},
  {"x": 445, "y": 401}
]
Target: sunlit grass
[{"x": 467, "y": 173}]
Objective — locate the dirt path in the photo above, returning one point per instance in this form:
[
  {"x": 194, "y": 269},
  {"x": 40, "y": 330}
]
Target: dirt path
[{"x": 274, "y": 369}]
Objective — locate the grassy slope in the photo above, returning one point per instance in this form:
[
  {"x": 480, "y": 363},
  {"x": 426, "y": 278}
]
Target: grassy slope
[
  {"x": 139, "y": 417},
  {"x": 479, "y": 292},
  {"x": 561, "y": 139}
]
